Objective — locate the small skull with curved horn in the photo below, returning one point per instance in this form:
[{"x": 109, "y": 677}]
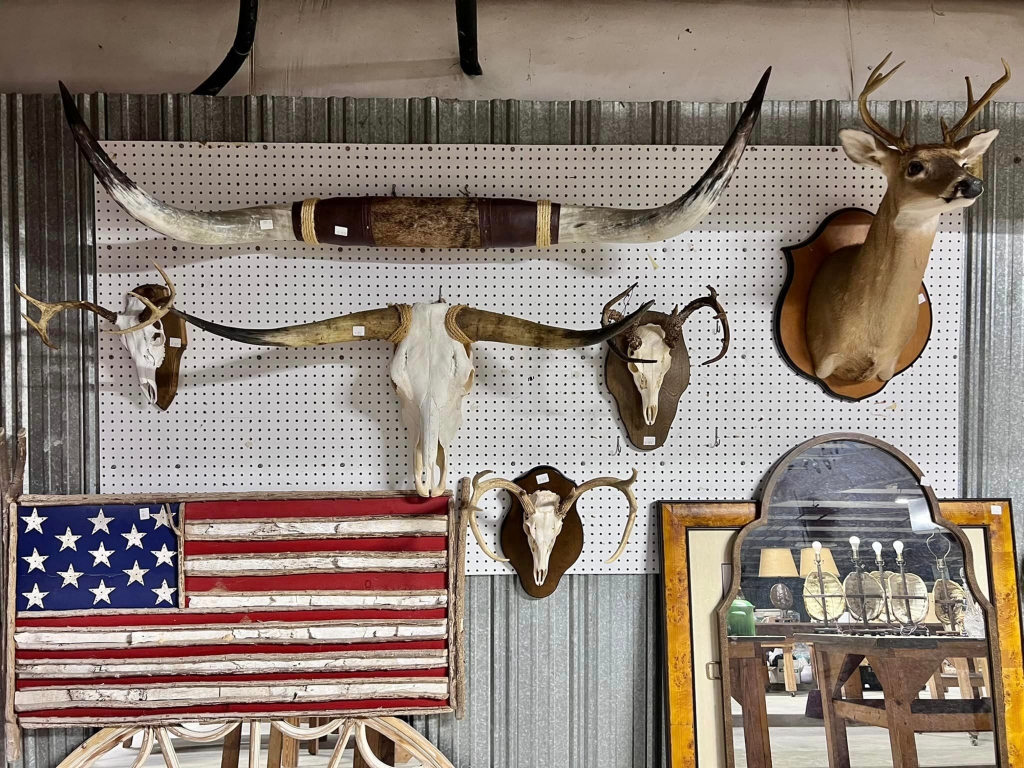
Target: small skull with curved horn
[
  {"x": 140, "y": 326},
  {"x": 655, "y": 358},
  {"x": 544, "y": 512}
]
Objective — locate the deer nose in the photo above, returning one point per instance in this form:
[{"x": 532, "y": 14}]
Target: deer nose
[{"x": 970, "y": 188}]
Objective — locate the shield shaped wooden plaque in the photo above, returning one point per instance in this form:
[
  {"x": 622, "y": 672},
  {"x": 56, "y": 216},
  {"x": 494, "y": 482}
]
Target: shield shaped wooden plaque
[{"x": 841, "y": 229}]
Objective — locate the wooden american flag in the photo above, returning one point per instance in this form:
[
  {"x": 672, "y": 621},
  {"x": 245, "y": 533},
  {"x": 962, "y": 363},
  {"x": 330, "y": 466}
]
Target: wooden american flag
[{"x": 268, "y": 606}]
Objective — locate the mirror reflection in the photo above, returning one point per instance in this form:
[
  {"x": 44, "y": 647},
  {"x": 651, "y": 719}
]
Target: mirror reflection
[{"x": 854, "y": 638}]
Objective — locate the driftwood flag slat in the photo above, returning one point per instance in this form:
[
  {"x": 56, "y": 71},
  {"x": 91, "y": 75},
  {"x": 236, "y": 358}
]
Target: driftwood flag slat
[{"x": 255, "y": 606}]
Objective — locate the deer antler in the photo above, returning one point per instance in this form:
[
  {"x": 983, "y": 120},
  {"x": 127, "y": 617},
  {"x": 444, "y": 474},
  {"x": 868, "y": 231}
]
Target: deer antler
[
  {"x": 626, "y": 486},
  {"x": 875, "y": 81},
  {"x": 973, "y": 107},
  {"x": 609, "y": 316},
  {"x": 479, "y": 489},
  {"x": 48, "y": 310},
  {"x": 674, "y": 324}
]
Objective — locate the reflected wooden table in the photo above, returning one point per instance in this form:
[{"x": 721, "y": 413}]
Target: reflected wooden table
[
  {"x": 903, "y": 665},
  {"x": 748, "y": 678}
]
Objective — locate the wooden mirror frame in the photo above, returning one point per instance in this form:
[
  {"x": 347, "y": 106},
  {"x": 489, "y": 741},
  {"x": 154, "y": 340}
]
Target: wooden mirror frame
[{"x": 1006, "y": 637}]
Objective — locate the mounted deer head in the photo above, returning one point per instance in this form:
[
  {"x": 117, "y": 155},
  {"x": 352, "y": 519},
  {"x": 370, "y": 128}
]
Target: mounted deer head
[
  {"x": 662, "y": 372},
  {"x": 139, "y": 325},
  {"x": 863, "y": 304},
  {"x": 544, "y": 512},
  {"x": 422, "y": 222},
  {"x": 432, "y": 368}
]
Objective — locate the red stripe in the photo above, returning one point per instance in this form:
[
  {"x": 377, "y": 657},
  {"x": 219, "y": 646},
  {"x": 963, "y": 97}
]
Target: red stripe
[
  {"x": 320, "y": 707},
  {"x": 401, "y": 544},
  {"x": 221, "y": 650},
  {"x": 187, "y": 679},
  {"x": 330, "y": 508},
  {"x": 178, "y": 618},
  {"x": 304, "y": 582}
]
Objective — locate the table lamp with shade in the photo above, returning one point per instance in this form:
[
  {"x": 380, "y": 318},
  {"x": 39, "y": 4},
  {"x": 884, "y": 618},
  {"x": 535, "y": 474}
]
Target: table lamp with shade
[
  {"x": 778, "y": 563},
  {"x": 809, "y": 566}
]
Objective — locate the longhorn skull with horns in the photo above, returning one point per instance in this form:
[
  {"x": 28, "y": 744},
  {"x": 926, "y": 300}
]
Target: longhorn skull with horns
[
  {"x": 423, "y": 222},
  {"x": 432, "y": 368}
]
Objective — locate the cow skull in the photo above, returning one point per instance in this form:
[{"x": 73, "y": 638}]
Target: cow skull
[
  {"x": 432, "y": 369},
  {"x": 654, "y": 343},
  {"x": 140, "y": 327},
  {"x": 543, "y": 513}
]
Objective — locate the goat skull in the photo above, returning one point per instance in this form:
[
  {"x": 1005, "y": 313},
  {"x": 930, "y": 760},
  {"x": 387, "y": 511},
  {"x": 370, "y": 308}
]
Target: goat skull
[{"x": 543, "y": 514}]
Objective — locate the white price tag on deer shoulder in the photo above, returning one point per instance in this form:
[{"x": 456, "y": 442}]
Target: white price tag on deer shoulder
[
  {"x": 144, "y": 513},
  {"x": 343, "y": 231},
  {"x": 358, "y": 330},
  {"x": 542, "y": 478},
  {"x": 266, "y": 224},
  {"x": 921, "y": 298},
  {"x": 174, "y": 341},
  {"x": 650, "y": 440}
]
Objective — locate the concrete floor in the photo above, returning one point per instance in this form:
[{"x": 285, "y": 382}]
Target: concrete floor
[{"x": 804, "y": 746}]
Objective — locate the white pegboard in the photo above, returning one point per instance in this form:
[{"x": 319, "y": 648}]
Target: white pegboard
[{"x": 268, "y": 418}]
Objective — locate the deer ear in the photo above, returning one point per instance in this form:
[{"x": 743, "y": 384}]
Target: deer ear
[
  {"x": 973, "y": 147},
  {"x": 864, "y": 148}
]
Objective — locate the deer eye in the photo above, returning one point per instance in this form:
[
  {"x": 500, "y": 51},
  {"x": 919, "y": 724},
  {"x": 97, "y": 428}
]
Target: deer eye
[{"x": 914, "y": 168}]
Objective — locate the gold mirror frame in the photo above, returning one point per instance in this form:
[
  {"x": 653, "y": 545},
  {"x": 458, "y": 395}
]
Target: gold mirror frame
[{"x": 1006, "y": 638}]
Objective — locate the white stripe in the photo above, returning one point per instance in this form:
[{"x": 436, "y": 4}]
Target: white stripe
[
  {"x": 300, "y": 632},
  {"x": 234, "y": 664},
  {"x": 289, "y": 563},
  {"x": 229, "y": 693},
  {"x": 299, "y": 528},
  {"x": 398, "y": 600}
]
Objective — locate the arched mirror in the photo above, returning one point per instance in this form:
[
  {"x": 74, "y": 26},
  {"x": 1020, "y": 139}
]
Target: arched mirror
[{"x": 855, "y": 633}]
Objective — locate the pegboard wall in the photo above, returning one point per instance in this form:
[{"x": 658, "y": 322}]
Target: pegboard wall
[{"x": 268, "y": 418}]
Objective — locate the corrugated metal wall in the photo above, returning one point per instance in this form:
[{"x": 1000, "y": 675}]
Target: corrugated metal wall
[{"x": 574, "y": 680}]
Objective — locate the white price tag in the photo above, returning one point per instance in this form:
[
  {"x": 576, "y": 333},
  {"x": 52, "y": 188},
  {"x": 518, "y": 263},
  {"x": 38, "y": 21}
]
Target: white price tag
[
  {"x": 926, "y": 481},
  {"x": 358, "y": 330},
  {"x": 144, "y": 513},
  {"x": 542, "y": 478},
  {"x": 996, "y": 509},
  {"x": 921, "y": 299},
  {"x": 174, "y": 341},
  {"x": 343, "y": 231},
  {"x": 650, "y": 440},
  {"x": 266, "y": 224}
]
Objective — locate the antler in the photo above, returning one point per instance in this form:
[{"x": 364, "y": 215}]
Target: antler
[
  {"x": 973, "y": 107},
  {"x": 875, "y": 81},
  {"x": 626, "y": 486},
  {"x": 610, "y": 316},
  {"x": 479, "y": 489},
  {"x": 674, "y": 324},
  {"x": 48, "y": 310}
]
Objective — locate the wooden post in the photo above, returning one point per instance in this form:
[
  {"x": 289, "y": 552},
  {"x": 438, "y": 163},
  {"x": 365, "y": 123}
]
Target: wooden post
[
  {"x": 275, "y": 748},
  {"x": 900, "y": 691},
  {"x": 290, "y": 748},
  {"x": 749, "y": 677},
  {"x": 827, "y": 671},
  {"x": 382, "y": 746},
  {"x": 788, "y": 668},
  {"x": 232, "y": 748}
]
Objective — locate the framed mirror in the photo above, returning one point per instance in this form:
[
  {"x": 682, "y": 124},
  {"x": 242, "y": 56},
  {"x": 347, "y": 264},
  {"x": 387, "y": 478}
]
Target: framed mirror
[{"x": 796, "y": 654}]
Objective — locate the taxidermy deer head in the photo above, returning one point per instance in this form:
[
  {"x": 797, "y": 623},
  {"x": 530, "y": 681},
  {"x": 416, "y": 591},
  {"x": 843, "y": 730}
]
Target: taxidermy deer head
[
  {"x": 432, "y": 368},
  {"x": 863, "y": 304},
  {"x": 423, "y": 222},
  {"x": 140, "y": 326},
  {"x": 544, "y": 511},
  {"x": 656, "y": 385}
]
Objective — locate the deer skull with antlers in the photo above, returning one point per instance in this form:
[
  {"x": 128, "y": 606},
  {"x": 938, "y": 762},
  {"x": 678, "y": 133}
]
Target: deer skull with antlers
[
  {"x": 863, "y": 304},
  {"x": 139, "y": 325},
  {"x": 432, "y": 368},
  {"x": 653, "y": 355},
  {"x": 544, "y": 511}
]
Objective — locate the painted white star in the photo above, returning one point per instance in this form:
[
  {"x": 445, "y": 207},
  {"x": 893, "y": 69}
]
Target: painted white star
[
  {"x": 164, "y": 592},
  {"x": 100, "y": 522},
  {"x": 135, "y": 573},
  {"x": 134, "y": 538},
  {"x": 164, "y": 517},
  {"x": 101, "y": 555},
  {"x": 35, "y": 597},
  {"x": 70, "y": 576},
  {"x": 68, "y": 539},
  {"x": 35, "y": 560},
  {"x": 33, "y": 522},
  {"x": 164, "y": 555},
  {"x": 102, "y": 593}
]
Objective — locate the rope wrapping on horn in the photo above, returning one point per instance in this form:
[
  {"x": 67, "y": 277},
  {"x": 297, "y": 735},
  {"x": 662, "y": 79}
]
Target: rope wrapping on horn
[
  {"x": 308, "y": 222},
  {"x": 404, "y": 322},
  {"x": 543, "y": 223},
  {"x": 451, "y": 324}
]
